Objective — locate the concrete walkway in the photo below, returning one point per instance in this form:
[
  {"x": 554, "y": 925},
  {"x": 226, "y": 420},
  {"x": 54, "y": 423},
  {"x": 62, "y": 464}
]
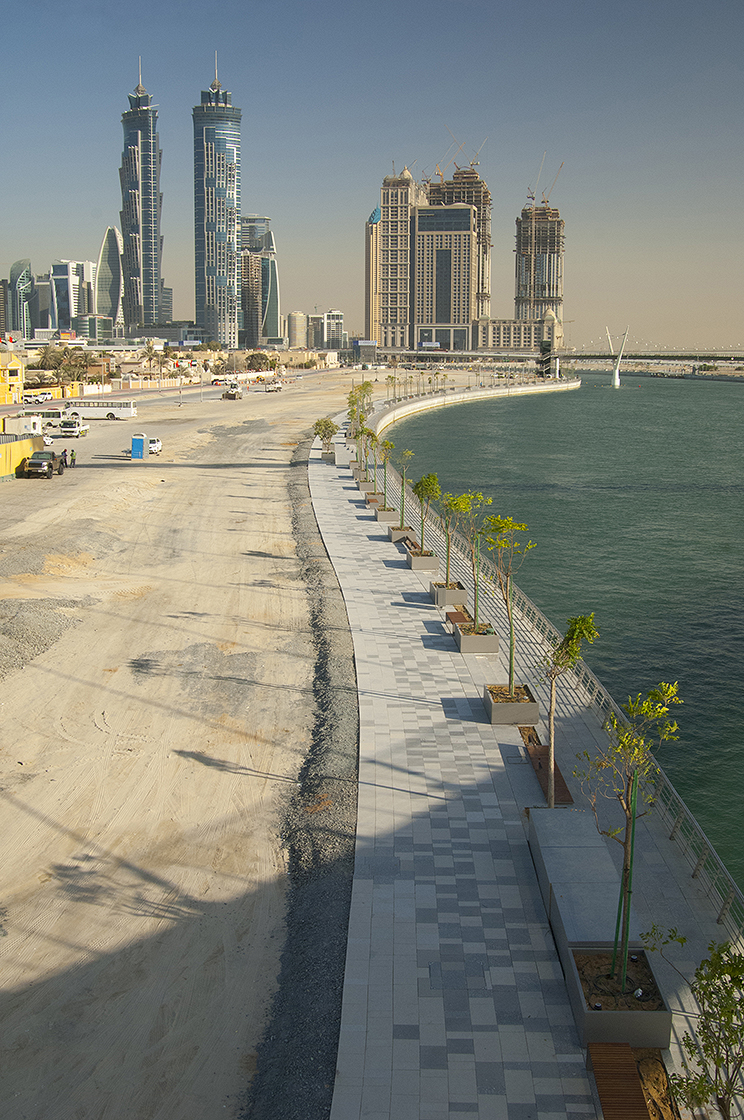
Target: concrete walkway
[{"x": 454, "y": 999}]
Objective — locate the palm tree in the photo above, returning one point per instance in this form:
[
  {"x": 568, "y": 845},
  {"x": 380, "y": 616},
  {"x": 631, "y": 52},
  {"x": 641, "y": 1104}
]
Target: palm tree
[{"x": 149, "y": 354}]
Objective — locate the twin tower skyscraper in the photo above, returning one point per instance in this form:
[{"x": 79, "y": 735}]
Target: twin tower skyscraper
[{"x": 217, "y": 220}]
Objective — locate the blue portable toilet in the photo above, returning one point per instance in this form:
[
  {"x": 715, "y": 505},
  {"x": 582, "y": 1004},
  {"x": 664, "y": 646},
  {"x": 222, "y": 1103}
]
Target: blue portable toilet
[{"x": 140, "y": 446}]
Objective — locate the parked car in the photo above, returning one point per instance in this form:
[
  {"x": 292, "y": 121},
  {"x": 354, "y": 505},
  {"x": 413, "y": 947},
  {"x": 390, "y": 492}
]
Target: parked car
[
  {"x": 48, "y": 441},
  {"x": 43, "y": 464},
  {"x": 156, "y": 445}
]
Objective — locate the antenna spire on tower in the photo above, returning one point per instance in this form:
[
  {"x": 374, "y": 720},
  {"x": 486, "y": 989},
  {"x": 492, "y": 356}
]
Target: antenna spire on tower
[
  {"x": 216, "y": 83},
  {"x": 140, "y": 88}
]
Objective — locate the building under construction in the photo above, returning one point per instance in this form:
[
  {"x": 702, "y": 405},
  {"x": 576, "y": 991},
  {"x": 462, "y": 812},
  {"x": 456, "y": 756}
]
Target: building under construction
[
  {"x": 539, "y": 265},
  {"x": 467, "y": 187}
]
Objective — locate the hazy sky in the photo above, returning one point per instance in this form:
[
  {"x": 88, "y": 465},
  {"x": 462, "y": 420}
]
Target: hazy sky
[{"x": 642, "y": 101}]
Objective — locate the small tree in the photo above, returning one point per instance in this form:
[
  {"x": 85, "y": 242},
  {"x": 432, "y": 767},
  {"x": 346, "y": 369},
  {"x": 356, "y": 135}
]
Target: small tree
[
  {"x": 324, "y": 430},
  {"x": 616, "y": 773},
  {"x": 565, "y": 655},
  {"x": 713, "y": 1059},
  {"x": 450, "y": 511},
  {"x": 470, "y": 507},
  {"x": 427, "y": 489},
  {"x": 510, "y": 552},
  {"x": 386, "y": 447},
  {"x": 404, "y": 458}
]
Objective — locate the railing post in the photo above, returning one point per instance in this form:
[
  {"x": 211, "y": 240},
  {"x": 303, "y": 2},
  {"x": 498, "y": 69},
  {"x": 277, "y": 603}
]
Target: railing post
[
  {"x": 726, "y": 907},
  {"x": 675, "y": 828},
  {"x": 700, "y": 863}
]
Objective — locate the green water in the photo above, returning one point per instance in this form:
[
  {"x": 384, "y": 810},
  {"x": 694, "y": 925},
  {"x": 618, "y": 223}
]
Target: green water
[{"x": 634, "y": 497}]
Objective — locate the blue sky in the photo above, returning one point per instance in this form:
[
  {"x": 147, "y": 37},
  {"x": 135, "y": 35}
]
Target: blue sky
[{"x": 642, "y": 102}]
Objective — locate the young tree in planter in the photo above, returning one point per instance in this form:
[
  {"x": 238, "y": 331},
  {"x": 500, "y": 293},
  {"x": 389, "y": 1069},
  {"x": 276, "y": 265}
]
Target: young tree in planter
[
  {"x": 565, "y": 655},
  {"x": 713, "y": 1060},
  {"x": 616, "y": 772},
  {"x": 472, "y": 520},
  {"x": 325, "y": 429},
  {"x": 386, "y": 447},
  {"x": 450, "y": 507},
  {"x": 404, "y": 459},
  {"x": 510, "y": 552},
  {"x": 427, "y": 490},
  {"x": 373, "y": 442}
]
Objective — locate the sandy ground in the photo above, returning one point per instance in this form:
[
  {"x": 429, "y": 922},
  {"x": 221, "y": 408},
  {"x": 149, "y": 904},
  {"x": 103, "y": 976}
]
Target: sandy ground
[{"x": 145, "y": 757}]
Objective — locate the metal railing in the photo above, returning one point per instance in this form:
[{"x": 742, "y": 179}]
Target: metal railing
[{"x": 692, "y": 843}]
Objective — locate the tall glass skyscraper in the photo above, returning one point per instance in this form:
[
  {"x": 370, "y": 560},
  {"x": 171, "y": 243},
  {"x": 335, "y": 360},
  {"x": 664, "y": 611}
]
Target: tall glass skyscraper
[
  {"x": 217, "y": 214},
  {"x": 141, "y": 203}
]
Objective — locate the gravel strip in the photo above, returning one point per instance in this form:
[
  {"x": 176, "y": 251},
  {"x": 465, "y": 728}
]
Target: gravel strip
[{"x": 297, "y": 1056}]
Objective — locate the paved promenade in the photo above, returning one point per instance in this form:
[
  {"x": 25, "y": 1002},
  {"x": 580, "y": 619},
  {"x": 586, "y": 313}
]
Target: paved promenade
[{"x": 454, "y": 999}]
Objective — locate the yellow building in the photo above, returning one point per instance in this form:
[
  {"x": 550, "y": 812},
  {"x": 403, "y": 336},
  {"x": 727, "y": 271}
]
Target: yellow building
[{"x": 12, "y": 373}]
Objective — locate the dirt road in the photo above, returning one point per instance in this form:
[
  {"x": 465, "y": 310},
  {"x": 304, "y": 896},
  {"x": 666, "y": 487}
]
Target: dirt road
[{"x": 161, "y": 716}]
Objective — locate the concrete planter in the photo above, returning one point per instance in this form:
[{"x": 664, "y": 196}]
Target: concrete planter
[
  {"x": 397, "y": 534},
  {"x": 365, "y": 487},
  {"x": 447, "y": 596},
  {"x": 422, "y": 563},
  {"x": 374, "y": 497},
  {"x": 387, "y": 516},
  {"x": 638, "y": 1028},
  {"x": 476, "y": 643},
  {"x": 328, "y": 456},
  {"x": 526, "y": 714}
]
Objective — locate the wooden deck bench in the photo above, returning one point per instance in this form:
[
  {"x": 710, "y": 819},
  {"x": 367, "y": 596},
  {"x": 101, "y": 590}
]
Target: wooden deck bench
[{"x": 618, "y": 1081}]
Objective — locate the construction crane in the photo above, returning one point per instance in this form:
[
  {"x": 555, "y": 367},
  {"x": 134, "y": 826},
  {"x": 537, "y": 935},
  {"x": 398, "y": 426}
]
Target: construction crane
[{"x": 545, "y": 197}]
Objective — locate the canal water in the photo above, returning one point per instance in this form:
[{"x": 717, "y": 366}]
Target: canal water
[{"x": 635, "y": 498}]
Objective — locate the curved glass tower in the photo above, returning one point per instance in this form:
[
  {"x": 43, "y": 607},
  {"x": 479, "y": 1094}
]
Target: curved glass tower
[
  {"x": 20, "y": 292},
  {"x": 110, "y": 278},
  {"x": 141, "y": 203},
  {"x": 216, "y": 214}
]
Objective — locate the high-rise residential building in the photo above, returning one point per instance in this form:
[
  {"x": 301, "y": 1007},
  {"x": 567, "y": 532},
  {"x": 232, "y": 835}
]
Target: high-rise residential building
[
  {"x": 445, "y": 257},
  {"x": 250, "y": 299},
  {"x": 216, "y": 214},
  {"x": 539, "y": 263},
  {"x": 333, "y": 330},
  {"x": 141, "y": 203},
  {"x": 110, "y": 278},
  {"x": 4, "y": 325},
  {"x": 467, "y": 188},
  {"x": 315, "y": 329},
  {"x": 73, "y": 286},
  {"x": 297, "y": 330},
  {"x": 256, "y": 237},
  {"x": 387, "y": 316}
]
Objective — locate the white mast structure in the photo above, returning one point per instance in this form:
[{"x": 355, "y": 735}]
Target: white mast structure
[{"x": 616, "y": 371}]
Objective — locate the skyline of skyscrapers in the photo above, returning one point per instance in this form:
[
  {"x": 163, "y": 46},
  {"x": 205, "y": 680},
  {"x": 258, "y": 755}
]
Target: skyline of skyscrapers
[
  {"x": 428, "y": 268},
  {"x": 427, "y": 256},
  {"x": 216, "y": 214},
  {"x": 141, "y": 205}
]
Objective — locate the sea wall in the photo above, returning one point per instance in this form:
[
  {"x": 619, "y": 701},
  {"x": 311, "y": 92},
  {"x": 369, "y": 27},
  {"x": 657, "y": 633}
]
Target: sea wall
[{"x": 389, "y": 412}]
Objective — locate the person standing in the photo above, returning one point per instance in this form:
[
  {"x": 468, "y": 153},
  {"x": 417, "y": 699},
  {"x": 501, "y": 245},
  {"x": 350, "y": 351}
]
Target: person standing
[
  {"x": 64, "y": 457},
  {"x": 73, "y": 456}
]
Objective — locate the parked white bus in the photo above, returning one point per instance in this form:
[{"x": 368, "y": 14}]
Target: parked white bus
[
  {"x": 97, "y": 409},
  {"x": 50, "y": 414}
]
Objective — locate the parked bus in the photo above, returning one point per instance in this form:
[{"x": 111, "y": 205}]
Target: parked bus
[
  {"x": 97, "y": 409},
  {"x": 50, "y": 414}
]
